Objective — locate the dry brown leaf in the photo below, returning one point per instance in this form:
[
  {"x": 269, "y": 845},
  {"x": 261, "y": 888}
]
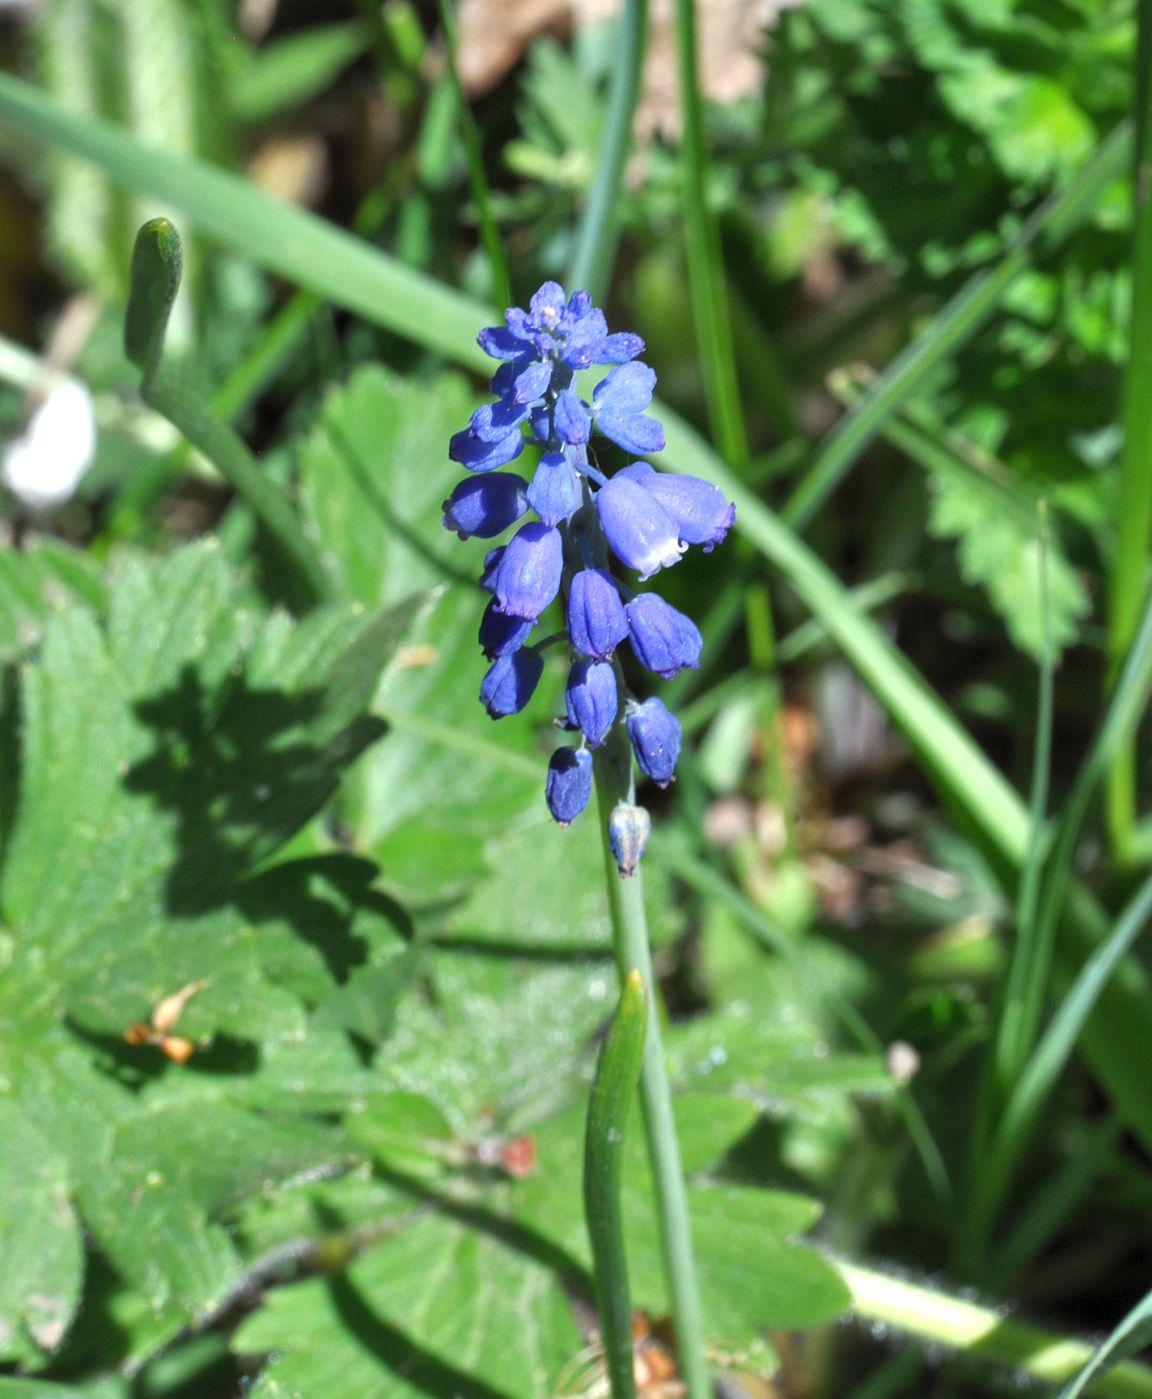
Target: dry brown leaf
[{"x": 730, "y": 35}]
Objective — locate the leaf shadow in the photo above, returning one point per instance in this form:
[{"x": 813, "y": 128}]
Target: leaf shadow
[
  {"x": 242, "y": 772},
  {"x": 419, "y": 1366}
]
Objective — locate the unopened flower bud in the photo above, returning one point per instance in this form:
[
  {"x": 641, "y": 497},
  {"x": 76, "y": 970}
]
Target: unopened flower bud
[
  {"x": 663, "y": 639},
  {"x": 569, "y": 783},
  {"x": 510, "y": 683},
  {"x": 527, "y": 577},
  {"x": 596, "y": 620},
  {"x": 655, "y": 735},
  {"x": 592, "y": 699},
  {"x": 628, "y": 830}
]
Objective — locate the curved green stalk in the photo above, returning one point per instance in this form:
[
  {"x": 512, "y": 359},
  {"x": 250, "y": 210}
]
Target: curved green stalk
[
  {"x": 613, "y": 767},
  {"x": 595, "y": 249},
  {"x": 608, "y": 1111},
  {"x": 157, "y": 260}
]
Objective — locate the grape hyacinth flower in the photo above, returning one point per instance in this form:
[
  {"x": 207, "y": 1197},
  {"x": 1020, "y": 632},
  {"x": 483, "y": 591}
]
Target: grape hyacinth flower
[{"x": 644, "y": 518}]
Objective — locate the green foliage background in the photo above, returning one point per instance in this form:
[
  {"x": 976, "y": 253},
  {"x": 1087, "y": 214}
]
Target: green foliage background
[{"x": 918, "y": 229}]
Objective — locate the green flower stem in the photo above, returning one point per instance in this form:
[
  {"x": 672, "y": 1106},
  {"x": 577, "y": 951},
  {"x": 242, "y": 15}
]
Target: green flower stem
[
  {"x": 595, "y": 249},
  {"x": 187, "y": 412},
  {"x": 613, "y": 768},
  {"x": 608, "y": 1111},
  {"x": 983, "y": 1332}
]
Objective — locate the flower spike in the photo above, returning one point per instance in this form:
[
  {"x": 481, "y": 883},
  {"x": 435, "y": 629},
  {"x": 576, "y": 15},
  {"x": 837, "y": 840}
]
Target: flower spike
[{"x": 644, "y": 517}]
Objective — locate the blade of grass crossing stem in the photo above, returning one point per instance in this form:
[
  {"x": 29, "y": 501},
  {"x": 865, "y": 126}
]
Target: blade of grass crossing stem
[
  {"x": 924, "y": 439},
  {"x": 706, "y": 281},
  {"x": 951, "y": 328},
  {"x": 596, "y": 236},
  {"x": 609, "y": 1107},
  {"x": 982, "y": 1332},
  {"x": 1134, "y": 497},
  {"x": 347, "y": 271},
  {"x": 501, "y": 284},
  {"x": 1131, "y": 1335}
]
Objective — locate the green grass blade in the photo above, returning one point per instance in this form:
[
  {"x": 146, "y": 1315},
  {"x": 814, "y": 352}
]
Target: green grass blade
[
  {"x": 1058, "y": 1042},
  {"x": 982, "y": 1332},
  {"x": 279, "y": 237},
  {"x": 1131, "y": 1335},
  {"x": 501, "y": 284},
  {"x": 1134, "y": 498},
  {"x": 1031, "y": 1079},
  {"x": 706, "y": 280},
  {"x": 951, "y": 328},
  {"x": 595, "y": 249},
  {"x": 1023, "y": 1001},
  {"x": 609, "y": 1108}
]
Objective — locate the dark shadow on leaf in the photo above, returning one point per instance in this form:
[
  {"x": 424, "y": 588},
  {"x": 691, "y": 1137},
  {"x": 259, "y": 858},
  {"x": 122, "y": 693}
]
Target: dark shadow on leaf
[
  {"x": 420, "y": 1368},
  {"x": 545, "y": 953},
  {"x": 242, "y": 773},
  {"x": 509, "y": 1232},
  {"x": 324, "y": 897},
  {"x": 134, "y": 1065}
]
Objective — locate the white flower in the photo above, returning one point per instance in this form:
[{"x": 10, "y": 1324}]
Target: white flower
[{"x": 44, "y": 466}]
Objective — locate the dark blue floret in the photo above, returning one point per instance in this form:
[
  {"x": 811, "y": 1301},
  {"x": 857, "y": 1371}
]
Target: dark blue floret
[
  {"x": 500, "y": 634},
  {"x": 510, "y": 683},
  {"x": 571, "y": 419},
  {"x": 491, "y": 564},
  {"x": 555, "y": 492},
  {"x": 663, "y": 639},
  {"x": 596, "y": 620},
  {"x": 486, "y": 505},
  {"x": 527, "y": 576},
  {"x": 569, "y": 783},
  {"x": 477, "y": 455},
  {"x": 591, "y": 699},
  {"x": 655, "y": 735}
]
